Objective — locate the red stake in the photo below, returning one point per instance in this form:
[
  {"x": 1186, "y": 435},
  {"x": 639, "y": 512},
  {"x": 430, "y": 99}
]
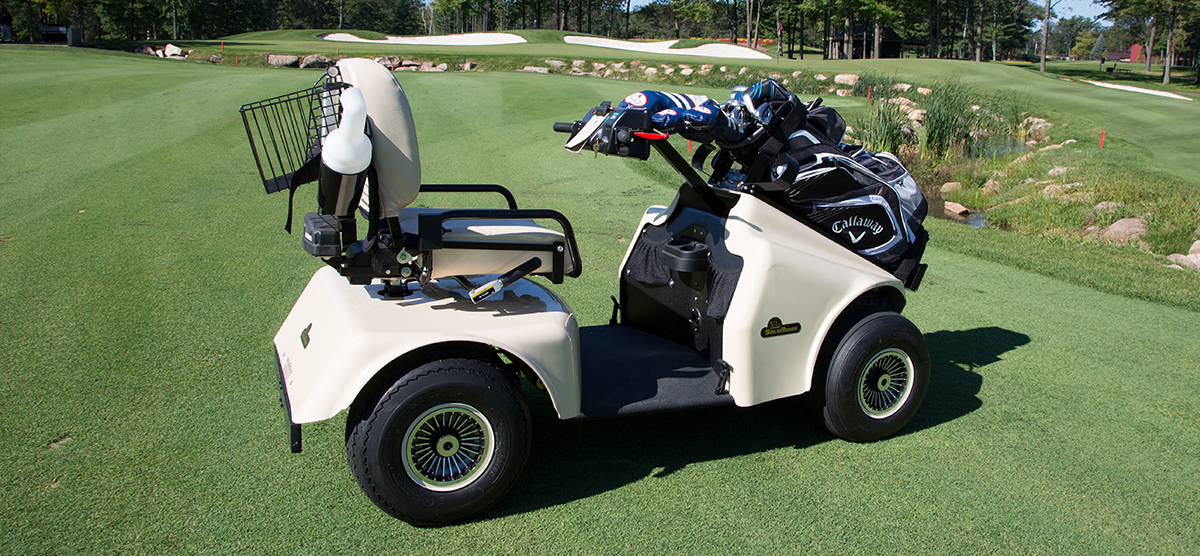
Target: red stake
[
  {"x": 869, "y": 96},
  {"x": 689, "y": 145},
  {"x": 235, "y": 60},
  {"x": 1102, "y": 138},
  {"x": 222, "y": 46}
]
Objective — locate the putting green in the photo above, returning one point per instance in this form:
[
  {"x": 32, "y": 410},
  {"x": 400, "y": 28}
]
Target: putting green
[{"x": 143, "y": 273}]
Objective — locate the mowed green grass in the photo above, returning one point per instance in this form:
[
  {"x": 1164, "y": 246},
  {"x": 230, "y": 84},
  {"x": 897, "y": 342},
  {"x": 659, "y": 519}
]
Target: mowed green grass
[{"x": 143, "y": 273}]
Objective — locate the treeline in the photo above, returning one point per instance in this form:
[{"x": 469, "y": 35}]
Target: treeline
[{"x": 967, "y": 29}]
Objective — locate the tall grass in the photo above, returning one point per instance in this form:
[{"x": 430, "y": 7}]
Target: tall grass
[
  {"x": 883, "y": 128},
  {"x": 949, "y": 119}
]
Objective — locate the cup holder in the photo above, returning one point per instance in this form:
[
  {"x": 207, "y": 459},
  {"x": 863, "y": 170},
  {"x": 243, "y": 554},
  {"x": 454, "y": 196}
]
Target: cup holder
[{"x": 685, "y": 255}]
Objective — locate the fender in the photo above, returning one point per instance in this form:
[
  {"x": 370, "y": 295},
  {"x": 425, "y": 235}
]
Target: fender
[{"x": 338, "y": 336}]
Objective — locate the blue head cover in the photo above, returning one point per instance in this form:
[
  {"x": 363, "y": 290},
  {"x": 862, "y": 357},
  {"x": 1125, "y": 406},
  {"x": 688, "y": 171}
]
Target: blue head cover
[{"x": 694, "y": 117}]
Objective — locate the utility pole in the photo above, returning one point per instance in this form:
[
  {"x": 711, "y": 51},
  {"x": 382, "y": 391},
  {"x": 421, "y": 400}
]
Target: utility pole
[{"x": 1045, "y": 34}]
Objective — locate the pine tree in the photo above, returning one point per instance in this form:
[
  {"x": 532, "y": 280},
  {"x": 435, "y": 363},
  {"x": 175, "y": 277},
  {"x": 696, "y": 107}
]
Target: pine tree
[{"x": 1100, "y": 50}]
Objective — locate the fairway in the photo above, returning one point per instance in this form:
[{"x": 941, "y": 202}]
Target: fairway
[{"x": 143, "y": 273}]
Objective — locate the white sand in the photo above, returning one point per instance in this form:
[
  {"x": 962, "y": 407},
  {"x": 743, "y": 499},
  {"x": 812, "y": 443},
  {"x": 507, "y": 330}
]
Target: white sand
[
  {"x": 712, "y": 50},
  {"x": 1136, "y": 89},
  {"x": 469, "y": 39}
]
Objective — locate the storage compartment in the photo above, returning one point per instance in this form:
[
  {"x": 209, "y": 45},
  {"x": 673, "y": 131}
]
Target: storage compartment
[
  {"x": 685, "y": 255},
  {"x": 321, "y": 236}
]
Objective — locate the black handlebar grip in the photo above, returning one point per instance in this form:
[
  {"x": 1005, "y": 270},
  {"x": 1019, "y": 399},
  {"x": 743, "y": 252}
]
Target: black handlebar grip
[{"x": 564, "y": 127}]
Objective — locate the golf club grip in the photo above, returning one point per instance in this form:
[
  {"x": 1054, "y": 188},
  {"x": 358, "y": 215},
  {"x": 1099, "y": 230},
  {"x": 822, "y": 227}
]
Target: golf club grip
[{"x": 564, "y": 127}]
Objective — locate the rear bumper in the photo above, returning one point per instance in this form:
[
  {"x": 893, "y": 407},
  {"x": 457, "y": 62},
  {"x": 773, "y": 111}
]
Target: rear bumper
[{"x": 286, "y": 404}]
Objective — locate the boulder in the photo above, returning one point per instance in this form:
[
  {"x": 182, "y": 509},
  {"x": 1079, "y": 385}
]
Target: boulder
[
  {"x": 1124, "y": 230},
  {"x": 775, "y": 76},
  {"x": 1184, "y": 261},
  {"x": 705, "y": 69},
  {"x": 635, "y": 63},
  {"x": 991, "y": 187},
  {"x": 214, "y": 59},
  {"x": 315, "y": 61},
  {"x": 389, "y": 62},
  {"x": 901, "y": 86},
  {"x": 1060, "y": 170},
  {"x": 1049, "y": 148},
  {"x": 902, "y": 101},
  {"x": 917, "y": 115},
  {"x": 577, "y": 63},
  {"x": 555, "y": 63},
  {"x": 743, "y": 70},
  {"x": 1036, "y": 127},
  {"x": 171, "y": 51},
  {"x": 1068, "y": 142},
  {"x": 536, "y": 69},
  {"x": 618, "y": 65},
  {"x": 845, "y": 79},
  {"x": 724, "y": 69},
  {"x": 924, "y": 91},
  {"x": 1106, "y": 206},
  {"x": 144, "y": 49},
  {"x": 820, "y": 77},
  {"x": 468, "y": 66},
  {"x": 668, "y": 70},
  {"x": 797, "y": 73},
  {"x": 686, "y": 71},
  {"x": 845, "y": 92},
  {"x": 956, "y": 209},
  {"x": 597, "y": 66},
  {"x": 283, "y": 60},
  {"x": 650, "y": 70},
  {"x": 1195, "y": 249},
  {"x": 411, "y": 63},
  {"x": 951, "y": 186},
  {"x": 428, "y": 66}
]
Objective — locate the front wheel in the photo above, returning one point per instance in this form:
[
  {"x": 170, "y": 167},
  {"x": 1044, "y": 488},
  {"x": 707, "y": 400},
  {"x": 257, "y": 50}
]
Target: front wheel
[
  {"x": 443, "y": 443},
  {"x": 877, "y": 376}
]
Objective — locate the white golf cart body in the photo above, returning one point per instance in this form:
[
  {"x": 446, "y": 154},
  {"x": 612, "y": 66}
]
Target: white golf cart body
[{"x": 338, "y": 335}]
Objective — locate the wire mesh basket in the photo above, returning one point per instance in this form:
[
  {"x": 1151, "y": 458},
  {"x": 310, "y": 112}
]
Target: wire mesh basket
[{"x": 286, "y": 132}]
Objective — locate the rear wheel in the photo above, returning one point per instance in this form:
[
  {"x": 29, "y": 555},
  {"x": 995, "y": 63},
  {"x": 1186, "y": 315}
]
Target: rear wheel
[
  {"x": 877, "y": 376},
  {"x": 443, "y": 443}
]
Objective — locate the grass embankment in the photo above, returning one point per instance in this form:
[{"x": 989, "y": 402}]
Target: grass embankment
[{"x": 143, "y": 274}]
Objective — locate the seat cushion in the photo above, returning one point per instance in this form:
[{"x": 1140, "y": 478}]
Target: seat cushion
[{"x": 467, "y": 262}]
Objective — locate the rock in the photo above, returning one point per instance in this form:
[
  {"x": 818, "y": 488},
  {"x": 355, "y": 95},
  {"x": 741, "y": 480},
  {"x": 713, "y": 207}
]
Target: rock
[
  {"x": 1021, "y": 159},
  {"x": 389, "y": 62},
  {"x": 411, "y": 64},
  {"x": 144, "y": 49},
  {"x": 468, "y": 66},
  {"x": 684, "y": 66},
  {"x": 1195, "y": 249},
  {"x": 1036, "y": 127},
  {"x": 1049, "y": 148},
  {"x": 975, "y": 107},
  {"x": 797, "y": 73},
  {"x": 555, "y": 63},
  {"x": 577, "y": 63},
  {"x": 990, "y": 188},
  {"x": 903, "y": 102},
  {"x": 845, "y": 79},
  {"x": 1124, "y": 230},
  {"x": 1175, "y": 266},
  {"x": 956, "y": 209},
  {"x": 650, "y": 70},
  {"x": 1060, "y": 170},
  {"x": 214, "y": 59},
  {"x": 1014, "y": 201},
  {"x": 917, "y": 115},
  {"x": 951, "y": 186},
  {"x": 845, "y": 92},
  {"x": 618, "y": 65},
  {"x": 536, "y": 69},
  {"x": 315, "y": 61},
  {"x": 705, "y": 69},
  {"x": 686, "y": 71},
  {"x": 1078, "y": 197},
  {"x": 724, "y": 69},
  {"x": 775, "y": 76},
  {"x": 635, "y": 63},
  {"x": 171, "y": 50},
  {"x": 1068, "y": 142},
  {"x": 1183, "y": 261},
  {"x": 1106, "y": 206},
  {"x": 924, "y": 90},
  {"x": 283, "y": 60},
  {"x": 905, "y": 109},
  {"x": 743, "y": 70},
  {"x": 901, "y": 86},
  {"x": 820, "y": 77},
  {"x": 159, "y": 53},
  {"x": 597, "y": 66},
  {"x": 428, "y": 66}
]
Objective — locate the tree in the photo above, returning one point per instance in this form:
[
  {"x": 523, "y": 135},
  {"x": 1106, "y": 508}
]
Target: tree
[{"x": 1099, "y": 49}]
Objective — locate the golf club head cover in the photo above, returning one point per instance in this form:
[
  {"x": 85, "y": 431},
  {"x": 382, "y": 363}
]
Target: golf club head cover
[{"x": 694, "y": 117}]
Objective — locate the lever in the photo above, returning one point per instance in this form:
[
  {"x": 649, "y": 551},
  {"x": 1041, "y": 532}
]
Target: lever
[{"x": 485, "y": 291}]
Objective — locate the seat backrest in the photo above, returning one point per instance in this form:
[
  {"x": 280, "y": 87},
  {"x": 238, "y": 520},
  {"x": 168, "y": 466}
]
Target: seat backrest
[{"x": 393, "y": 136}]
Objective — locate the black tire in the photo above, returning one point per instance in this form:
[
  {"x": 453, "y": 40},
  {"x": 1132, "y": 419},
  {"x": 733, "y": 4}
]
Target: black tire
[
  {"x": 876, "y": 377},
  {"x": 443, "y": 443}
]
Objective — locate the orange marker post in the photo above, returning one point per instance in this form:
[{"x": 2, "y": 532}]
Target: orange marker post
[{"x": 1102, "y": 138}]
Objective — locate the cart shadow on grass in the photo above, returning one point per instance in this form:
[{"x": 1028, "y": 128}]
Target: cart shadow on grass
[{"x": 573, "y": 460}]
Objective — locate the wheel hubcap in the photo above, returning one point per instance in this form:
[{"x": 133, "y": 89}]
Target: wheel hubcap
[
  {"x": 885, "y": 383},
  {"x": 448, "y": 446}
]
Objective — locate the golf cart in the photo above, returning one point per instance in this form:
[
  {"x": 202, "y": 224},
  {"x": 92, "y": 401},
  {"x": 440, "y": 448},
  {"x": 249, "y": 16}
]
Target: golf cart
[{"x": 424, "y": 327}]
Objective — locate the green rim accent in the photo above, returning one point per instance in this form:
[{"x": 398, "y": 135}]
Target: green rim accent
[
  {"x": 448, "y": 446},
  {"x": 885, "y": 383}
]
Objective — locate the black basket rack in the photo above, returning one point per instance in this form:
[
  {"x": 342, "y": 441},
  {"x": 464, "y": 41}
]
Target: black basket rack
[{"x": 286, "y": 132}]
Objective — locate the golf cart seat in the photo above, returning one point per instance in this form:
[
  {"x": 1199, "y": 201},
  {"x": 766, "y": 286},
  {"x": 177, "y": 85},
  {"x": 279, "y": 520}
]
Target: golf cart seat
[{"x": 452, "y": 242}]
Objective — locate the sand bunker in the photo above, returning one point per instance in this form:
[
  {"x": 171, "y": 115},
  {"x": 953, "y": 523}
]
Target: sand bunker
[
  {"x": 1136, "y": 89},
  {"x": 469, "y": 39},
  {"x": 712, "y": 50}
]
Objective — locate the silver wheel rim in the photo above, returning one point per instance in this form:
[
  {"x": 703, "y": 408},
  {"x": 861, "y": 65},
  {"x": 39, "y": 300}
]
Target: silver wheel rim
[
  {"x": 885, "y": 383},
  {"x": 448, "y": 447}
]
